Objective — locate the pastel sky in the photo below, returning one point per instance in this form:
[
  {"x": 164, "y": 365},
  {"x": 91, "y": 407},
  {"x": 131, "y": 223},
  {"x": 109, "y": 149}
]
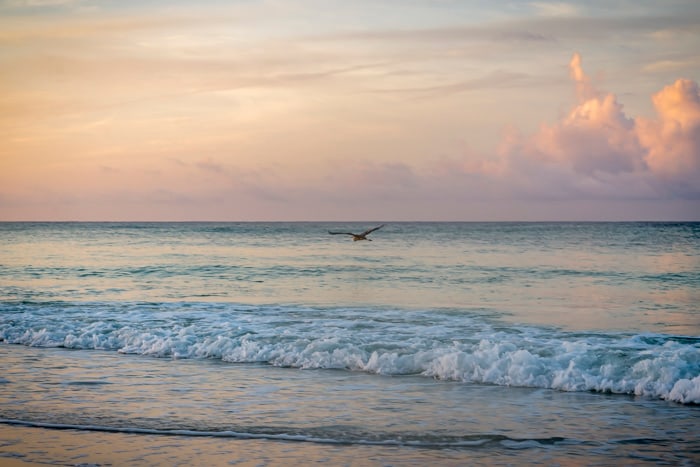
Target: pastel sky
[{"x": 349, "y": 110}]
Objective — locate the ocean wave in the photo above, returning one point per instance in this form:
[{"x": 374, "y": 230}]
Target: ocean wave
[{"x": 442, "y": 344}]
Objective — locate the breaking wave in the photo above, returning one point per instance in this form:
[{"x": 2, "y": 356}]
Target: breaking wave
[{"x": 466, "y": 346}]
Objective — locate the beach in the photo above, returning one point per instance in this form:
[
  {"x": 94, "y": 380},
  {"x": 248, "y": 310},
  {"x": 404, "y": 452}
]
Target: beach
[
  {"x": 24, "y": 446},
  {"x": 367, "y": 233},
  {"x": 96, "y": 409},
  {"x": 276, "y": 343}
]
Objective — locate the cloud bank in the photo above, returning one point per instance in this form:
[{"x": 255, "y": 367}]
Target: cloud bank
[{"x": 596, "y": 150}]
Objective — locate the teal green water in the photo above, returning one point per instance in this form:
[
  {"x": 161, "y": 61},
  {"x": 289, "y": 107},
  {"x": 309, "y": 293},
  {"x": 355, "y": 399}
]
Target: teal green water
[
  {"x": 545, "y": 340},
  {"x": 621, "y": 276}
]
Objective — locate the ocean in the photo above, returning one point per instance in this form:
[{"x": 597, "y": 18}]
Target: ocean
[{"x": 277, "y": 343}]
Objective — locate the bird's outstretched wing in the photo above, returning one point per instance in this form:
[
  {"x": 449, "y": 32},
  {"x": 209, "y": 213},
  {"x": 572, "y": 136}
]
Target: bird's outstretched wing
[
  {"x": 340, "y": 233},
  {"x": 367, "y": 232}
]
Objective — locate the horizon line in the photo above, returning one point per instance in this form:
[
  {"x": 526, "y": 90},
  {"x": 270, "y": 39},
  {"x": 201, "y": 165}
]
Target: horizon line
[{"x": 315, "y": 221}]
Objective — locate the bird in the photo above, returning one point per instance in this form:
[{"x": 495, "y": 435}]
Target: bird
[{"x": 360, "y": 236}]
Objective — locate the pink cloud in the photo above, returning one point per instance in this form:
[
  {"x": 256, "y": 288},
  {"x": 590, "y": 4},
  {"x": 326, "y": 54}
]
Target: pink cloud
[
  {"x": 596, "y": 150},
  {"x": 672, "y": 141},
  {"x": 584, "y": 88}
]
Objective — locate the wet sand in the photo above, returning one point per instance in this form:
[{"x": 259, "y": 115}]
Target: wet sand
[{"x": 22, "y": 446}]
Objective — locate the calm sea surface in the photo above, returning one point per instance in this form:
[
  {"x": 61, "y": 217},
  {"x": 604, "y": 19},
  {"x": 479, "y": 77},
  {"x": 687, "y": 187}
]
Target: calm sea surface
[{"x": 452, "y": 343}]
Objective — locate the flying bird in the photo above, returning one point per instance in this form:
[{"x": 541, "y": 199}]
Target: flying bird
[{"x": 360, "y": 236}]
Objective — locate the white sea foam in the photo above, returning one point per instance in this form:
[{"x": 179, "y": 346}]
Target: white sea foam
[{"x": 462, "y": 347}]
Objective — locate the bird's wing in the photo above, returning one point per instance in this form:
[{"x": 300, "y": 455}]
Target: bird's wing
[
  {"x": 340, "y": 233},
  {"x": 367, "y": 232}
]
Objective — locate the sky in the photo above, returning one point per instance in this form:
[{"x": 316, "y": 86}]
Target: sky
[{"x": 334, "y": 110}]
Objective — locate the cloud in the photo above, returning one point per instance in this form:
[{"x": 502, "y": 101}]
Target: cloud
[
  {"x": 544, "y": 28},
  {"x": 555, "y": 9},
  {"x": 594, "y": 152},
  {"x": 672, "y": 141},
  {"x": 597, "y": 151},
  {"x": 584, "y": 88},
  {"x": 670, "y": 65},
  {"x": 37, "y": 3},
  {"x": 595, "y": 137},
  {"x": 494, "y": 80}
]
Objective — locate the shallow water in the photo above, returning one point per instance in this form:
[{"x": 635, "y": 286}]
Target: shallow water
[
  {"x": 452, "y": 343},
  {"x": 399, "y": 418}
]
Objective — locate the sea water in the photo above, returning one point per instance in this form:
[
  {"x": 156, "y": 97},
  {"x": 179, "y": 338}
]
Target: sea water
[{"x": 456, "y": 342}]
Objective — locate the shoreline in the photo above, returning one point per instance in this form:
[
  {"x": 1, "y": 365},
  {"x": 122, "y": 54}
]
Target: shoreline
[{"x": 22, "y": 446}]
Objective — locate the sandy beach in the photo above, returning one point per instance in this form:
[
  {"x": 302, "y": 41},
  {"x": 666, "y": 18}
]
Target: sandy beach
[{"x": 22, "y": 446}]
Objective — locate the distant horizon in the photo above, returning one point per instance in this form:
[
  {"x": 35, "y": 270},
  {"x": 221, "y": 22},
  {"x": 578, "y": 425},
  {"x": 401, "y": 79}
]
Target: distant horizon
[{"x": 388, "y": 222}]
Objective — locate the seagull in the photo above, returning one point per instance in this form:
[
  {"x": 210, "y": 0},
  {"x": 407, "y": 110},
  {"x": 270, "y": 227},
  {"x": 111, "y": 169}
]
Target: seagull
[{"x": 360, "y": 236}]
